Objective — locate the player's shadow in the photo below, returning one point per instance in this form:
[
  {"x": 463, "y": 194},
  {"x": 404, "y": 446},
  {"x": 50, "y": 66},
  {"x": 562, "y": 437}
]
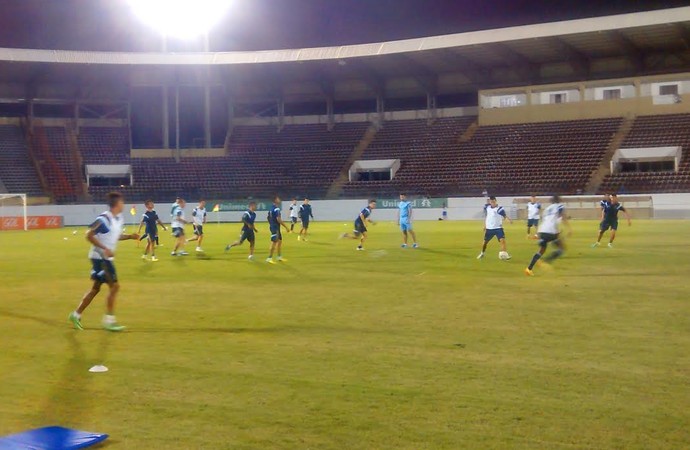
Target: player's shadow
[
  {"x": 71, "y": 398},
  {"x": 40, "y": 320},
  {"x": 210, "y": 330},
  {"x": 433, "y": 251}
]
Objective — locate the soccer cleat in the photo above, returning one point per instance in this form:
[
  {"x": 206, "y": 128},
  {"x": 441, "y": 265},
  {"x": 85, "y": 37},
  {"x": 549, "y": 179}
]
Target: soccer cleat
[
  {"x": 360, "y": 249},
  {"x": 183, "y": 253},
  {"x": 529, "y": 272},
  {"x": 270, "y": 261},
  {"x": 403, "y": 246},
  {"x": 415, "y": 245},
  {"x": 481, "y": 256},
  {"x": 595, "y": 245},
  {"x": 342, "y": 236},
  {"x": 250, "y": 257},
  {"x": 228, "y": 247},
  {"x": 299, "y": 238},
  {"x": 113, "y": 327},
  {"x": 76, "y": 321},
  {"x": 610, "y": 245},
  {"x": 281, "y": 259},
  {"x": 154, "y": 259},
  {"x": 199, "y": 250},
  {"x": 144, "y": 257},
  {"x": 173, "y": 254}
]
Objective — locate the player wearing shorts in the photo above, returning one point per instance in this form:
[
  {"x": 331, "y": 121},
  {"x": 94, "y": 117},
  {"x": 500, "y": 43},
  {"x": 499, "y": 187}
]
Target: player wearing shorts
[
  {"x": 609, "y": 219},
  {"x": 360, "y": 228},
  {"x": 405, "y": 221},
  {"x": 198, "y": 222},
  {"x": 305, "y": 215},
  {"x": 274, "y": 224},
  {"x": 294, "y": 214},
  {"x": 248, "y": 230},
  {"x": 104, "y": 234},
  {"x": 150, "y": 221},
  {"x": 177, "y": 224},
  {"x": 493, "y": 225},
  {"x": 549, "y": 233},
  {"x": 533, "y": 213}
]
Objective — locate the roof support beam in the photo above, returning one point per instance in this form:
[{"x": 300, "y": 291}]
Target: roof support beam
[
  {"x": 633, "y": 53},
  {"x": 578, "y": 61},
  {"x": 684, "y": 35}
]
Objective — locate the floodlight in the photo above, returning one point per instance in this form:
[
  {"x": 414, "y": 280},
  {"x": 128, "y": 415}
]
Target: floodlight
[{"x": 184, "y": 19}]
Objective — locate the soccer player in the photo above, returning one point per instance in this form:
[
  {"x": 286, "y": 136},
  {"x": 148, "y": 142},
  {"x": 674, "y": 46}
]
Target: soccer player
[
  {"x": 150, "y": 221},
  {"x": 493, "y": 225},
  {"x": 360, "y": 230},
  {"x": 294, "y": 214},
  {"x": 305, "y": 214},
  {"x": 533, "y": 212},
  {"x": 549, "y": 233},
  {"x": 177, "y": 224},
  {"x": 198, "y": 221},
  {"x": 405, "y": 221},
  {"x": 103, "y": 234},
  {"x": 248, "y": 230},
  {"x": 274, "y": 224},
  {"x": 609, "y": 219}
]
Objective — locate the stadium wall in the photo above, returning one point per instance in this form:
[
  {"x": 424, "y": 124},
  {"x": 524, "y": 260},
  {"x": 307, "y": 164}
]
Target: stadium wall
[{"x": 665, "y": 206}]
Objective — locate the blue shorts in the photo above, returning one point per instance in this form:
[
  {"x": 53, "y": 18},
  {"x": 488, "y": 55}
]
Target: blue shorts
[
  {"x": 103, "y": 271},
  {"x": 275, "y": 235},
  {"x": 178, "y": 232},
  {"x": 606, "y": 224},
  {"x": 305, "y": 223},
  {"x": 406, "y": 226},
  {"x": 199, "y": 230},
  {"x": 497, "y": 233},
  {"x": 152, "y": 233},
  {"x": 359, "y": 227},
  {"x": 532, "y": 222},
  {"x": 248, "y": 235}
]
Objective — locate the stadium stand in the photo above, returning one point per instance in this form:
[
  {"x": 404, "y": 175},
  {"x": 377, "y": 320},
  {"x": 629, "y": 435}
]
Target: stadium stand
[
  {"x": 655, "y": 131},
  {"x": 17, "y": 172},
  {"x": 57, "y": 162},
  {"x": 502, "y": 159},
  {"x": 104, "y": 145}
]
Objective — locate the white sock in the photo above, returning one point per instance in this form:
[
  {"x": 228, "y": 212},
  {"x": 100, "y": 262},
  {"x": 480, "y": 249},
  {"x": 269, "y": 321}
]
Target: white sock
[
  {"x": 77, "y": 315},
  {"x": 109, "y": 319}
]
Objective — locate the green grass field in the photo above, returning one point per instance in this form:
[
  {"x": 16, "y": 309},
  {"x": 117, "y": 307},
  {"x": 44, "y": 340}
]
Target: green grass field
[{"x": 384, "y": 349}]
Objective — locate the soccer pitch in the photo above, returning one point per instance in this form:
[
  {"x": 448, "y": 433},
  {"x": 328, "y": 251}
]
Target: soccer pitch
[{"x": 388, "y": 348}]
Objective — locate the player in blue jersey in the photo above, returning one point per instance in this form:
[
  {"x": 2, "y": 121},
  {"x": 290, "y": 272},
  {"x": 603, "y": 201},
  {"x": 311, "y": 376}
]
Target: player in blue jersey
[
  {"x": 609, "y": 219},
  {"x": 103, "y": 235},
  {"x": 360, "y": 228},
  {"x": 405, "y": 221},
  {"x": 275, "y": 221},
  {"x": 248, "y": 230},
  {"x": 493, "y": 227},
  {"x": 305, "y": 214},
  {"x": 150, "y": 221}
]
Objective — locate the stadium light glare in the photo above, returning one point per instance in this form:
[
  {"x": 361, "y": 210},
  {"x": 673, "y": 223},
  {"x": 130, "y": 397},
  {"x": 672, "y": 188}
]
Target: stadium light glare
[{"x": 183, "y": 19}]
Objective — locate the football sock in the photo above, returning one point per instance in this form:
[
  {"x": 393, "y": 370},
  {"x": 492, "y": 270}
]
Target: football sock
[
  {"x": 535, "y": 258},
  {"x": 554, "y": 255}
]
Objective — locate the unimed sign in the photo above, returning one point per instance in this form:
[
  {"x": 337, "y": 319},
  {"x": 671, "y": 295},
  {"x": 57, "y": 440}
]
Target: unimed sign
[{"x": 34, "y": 222}]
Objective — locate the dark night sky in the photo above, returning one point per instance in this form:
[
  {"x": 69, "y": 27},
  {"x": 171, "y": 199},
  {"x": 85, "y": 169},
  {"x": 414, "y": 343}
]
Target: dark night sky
[{"x": 266, "y": 24}]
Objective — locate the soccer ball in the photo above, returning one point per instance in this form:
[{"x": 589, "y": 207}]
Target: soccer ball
[{"x": 503, "y": 256}]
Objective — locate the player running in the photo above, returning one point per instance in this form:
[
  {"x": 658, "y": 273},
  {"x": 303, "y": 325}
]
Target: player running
[
  {"x": 305, "y": 214},
  {"x": 533, "y": 213},
  {"x": 405, "y": 221},
  {"x": 360, "y": 230},
  {"x": 609, "y": 219},
  {"x": 549, "y": 232},
  {"x": 198, "y": 222},
  {"x": 493, "y": 226},
  {"x": 294, "y": 214},
  {"x": 104, "y": 234},
  {"x": 150, "y": 221},
  {"x": 274, "y": 224},
  {"x": 177, "y": 224},
  {"x": 248, "y": 230}
]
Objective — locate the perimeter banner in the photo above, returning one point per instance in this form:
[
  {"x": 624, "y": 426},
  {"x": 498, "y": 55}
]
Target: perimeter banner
[
  {"x": 34, "y": 222},
  {"x": 420, "y": 203}
]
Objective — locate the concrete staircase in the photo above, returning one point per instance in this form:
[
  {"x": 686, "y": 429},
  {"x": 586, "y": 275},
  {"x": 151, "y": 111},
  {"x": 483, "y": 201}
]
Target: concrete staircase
[
  {"x": 336, "y": 189},
  {"x": 469, "y": 132},
  {"x": 604, "y": 168}
]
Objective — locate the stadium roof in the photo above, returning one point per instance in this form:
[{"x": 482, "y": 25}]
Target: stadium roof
[{"x": 605, "y": 47}]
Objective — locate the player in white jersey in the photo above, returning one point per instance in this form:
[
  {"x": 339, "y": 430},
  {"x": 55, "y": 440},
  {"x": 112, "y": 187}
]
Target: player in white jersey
[
  {"x": 177, "y": 224},
  {"x": 493, "y": 227},
  {"x": 533, "y": 214},
  {"x": 104, "y": 234},
  {"x": 198, "y": 221},
  {"x": 549, "y": 232},
  {"x": 294, "y": 214}
]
